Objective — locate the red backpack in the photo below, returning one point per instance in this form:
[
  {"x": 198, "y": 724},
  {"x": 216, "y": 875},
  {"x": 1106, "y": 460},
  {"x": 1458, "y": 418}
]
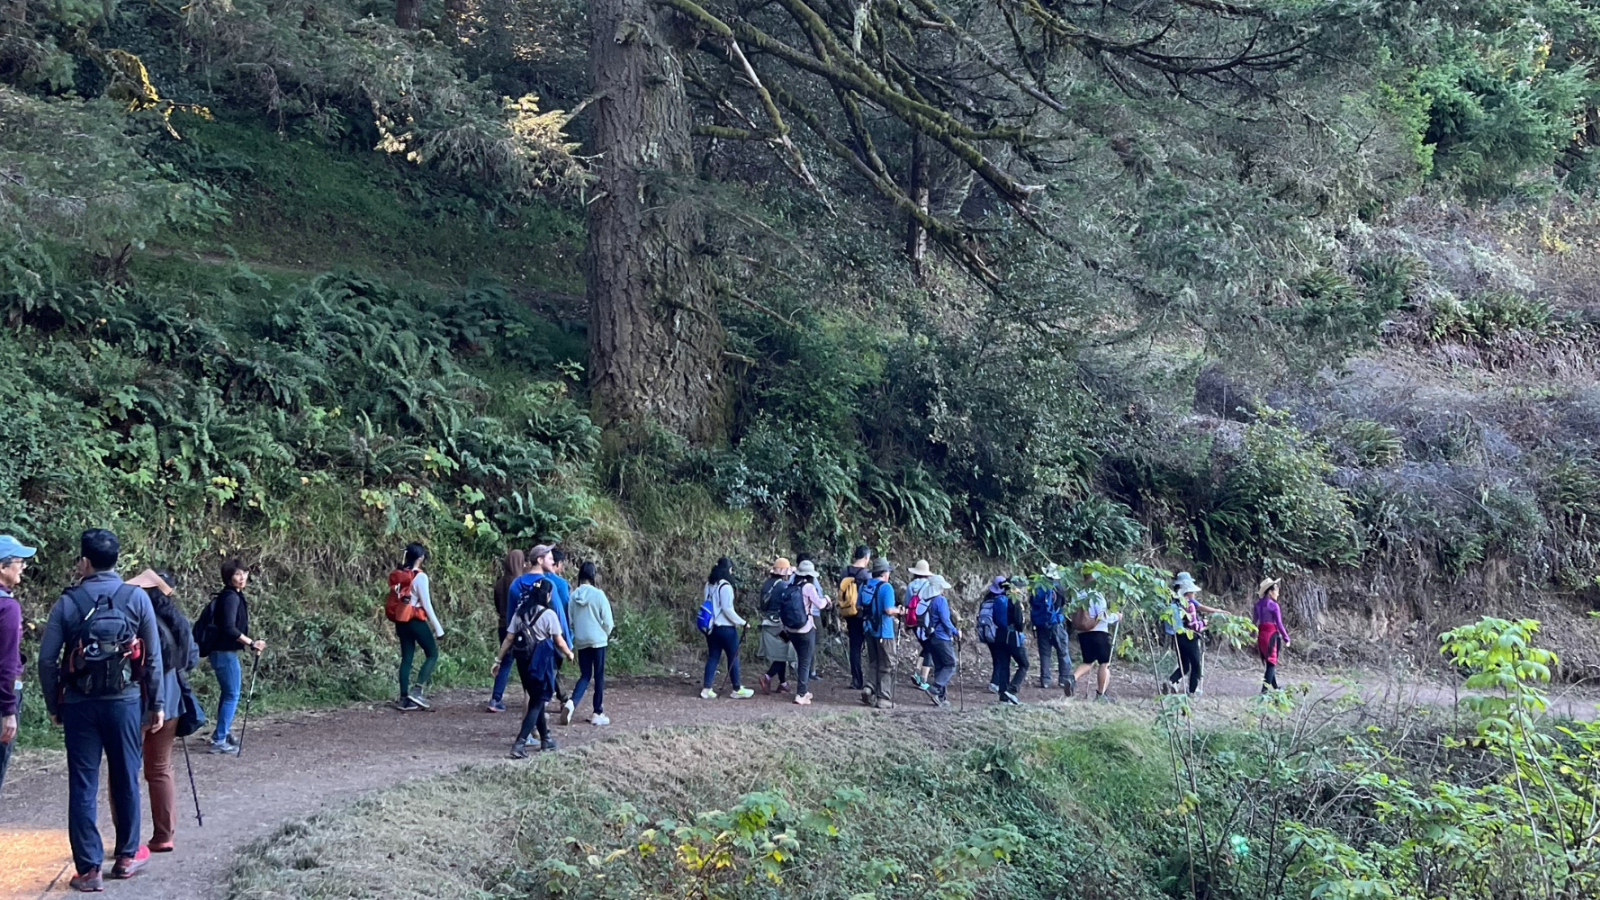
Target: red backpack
[
  {"x": 914, "y": 611},
  {"x": 397, "y": 606}
]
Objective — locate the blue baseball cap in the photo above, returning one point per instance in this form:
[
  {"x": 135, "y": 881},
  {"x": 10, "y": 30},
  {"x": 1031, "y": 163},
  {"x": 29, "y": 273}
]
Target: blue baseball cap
[{"x": 10, "y": 546}]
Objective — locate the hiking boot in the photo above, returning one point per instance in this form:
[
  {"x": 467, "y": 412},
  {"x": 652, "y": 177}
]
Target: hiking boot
[
  {"x": 519, "y": 750},
  {"x": 129, "y": 866},
  {"x": 406, "y": 704},
  {"x": 866, "y": 696},
  {"x": 88, "y": 882},
  {"x": 567, "y": 710},
  {"x": 994, "y": 688},
  {"x": 766, "y": 684},
  {"x": 884, "y": 704},
  {"x": 1102, "y": 697},
  {"x": 783, "y": 688},
  {"x": 599, "y": 719},
  {"x": 918, "y": 681},
  {"x": 495, "y": 706},
  {"x": 546, "y": 745},
  {"x": 803, "y": 699},
  {"x": 708, "y": 694},
  {"x": 939, "y": 700},
  {"x": 230, "y": 749},
  {"x": 416, "y": 697},
  {"x": 1008, "y": 697},
  {"x": 742, "y": 694},
  {"x": 1069, "y": 687}
]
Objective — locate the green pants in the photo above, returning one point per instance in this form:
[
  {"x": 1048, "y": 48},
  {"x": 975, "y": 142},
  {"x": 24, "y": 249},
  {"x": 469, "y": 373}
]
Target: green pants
[{"x": 411, "y": 634}]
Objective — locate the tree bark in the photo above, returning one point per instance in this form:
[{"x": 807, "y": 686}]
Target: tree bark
[
  {"x": 655, "y": 343},
  {"x": 918, "y": 190},
  {"x": 407, "y": 13}
]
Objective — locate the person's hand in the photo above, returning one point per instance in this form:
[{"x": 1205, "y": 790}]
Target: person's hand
[
  {"x": 8, "y": 729},
  {"x": 157, "y": 719},
  {"x": 259, "y": 646},
  {"x": 494, "y": 670},
  {"x": 55, "y": 720}
]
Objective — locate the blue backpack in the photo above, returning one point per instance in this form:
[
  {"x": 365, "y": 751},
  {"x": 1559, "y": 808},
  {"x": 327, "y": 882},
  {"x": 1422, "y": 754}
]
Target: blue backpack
[
  {"x": 871, "y": 608},
  {"x": 1042, "y": 609},
  {"x": 988, "y": 628},
  {"x": 708, "y": 608}
]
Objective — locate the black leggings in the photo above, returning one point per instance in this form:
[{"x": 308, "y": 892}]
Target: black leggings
[
  {"x": 534, "y": 718},
  {"x": 1189, "y": 652}
]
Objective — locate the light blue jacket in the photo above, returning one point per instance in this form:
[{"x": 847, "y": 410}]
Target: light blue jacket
[{"x": 590, "y": 614}]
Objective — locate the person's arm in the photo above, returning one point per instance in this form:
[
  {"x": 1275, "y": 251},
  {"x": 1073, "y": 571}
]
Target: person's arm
[
  {"x": 561, "y": 644},
  {"x": 725, "y": 605},
  {"x": 10, "y": 669},
  {"x": 505, "y": 647},
  {"x": 55, "y": 635},
  {"x": 419, "y": 586},
  {"x": 1209, "y": 610},
  {"x": 893, "y": 609},
  {"x": 151, "y": 676},
  {"x": 226, "y": 617},
  {"x": 606, "y": 622},
  {"x": 1277, "y": 617}
]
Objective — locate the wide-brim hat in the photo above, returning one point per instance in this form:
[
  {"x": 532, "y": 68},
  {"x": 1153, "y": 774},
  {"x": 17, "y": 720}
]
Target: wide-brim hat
[
  {"x": 1184, "y": 584},
  {"x": 1267, "y": 584},
  {"x": 881, "y": 566},
  {"x": 998, "y": 585},
  {"x": 921, "y": 569},
  {"x": 806, "y": 568},
  {"x": 936, "y": 587},
  {"x": 780, "y": 566}
]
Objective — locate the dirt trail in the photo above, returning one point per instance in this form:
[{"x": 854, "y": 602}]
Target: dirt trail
[{"x": 297, "y": 764}]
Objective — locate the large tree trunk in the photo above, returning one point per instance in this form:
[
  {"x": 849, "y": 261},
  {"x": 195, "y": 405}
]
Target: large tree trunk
[
  {"x": 655, "y": 344},
  {"x": 407, "y": 13}
]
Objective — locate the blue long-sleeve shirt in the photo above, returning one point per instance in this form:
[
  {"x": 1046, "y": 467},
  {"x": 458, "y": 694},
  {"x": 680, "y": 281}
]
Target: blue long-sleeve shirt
[
  {"x": 940, "y": 626},
  {"x": 560, "y": 596}
]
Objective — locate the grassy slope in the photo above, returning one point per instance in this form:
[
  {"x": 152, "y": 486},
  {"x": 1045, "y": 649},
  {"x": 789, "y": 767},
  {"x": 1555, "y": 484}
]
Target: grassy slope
[{"x": 1087, "y": 799}]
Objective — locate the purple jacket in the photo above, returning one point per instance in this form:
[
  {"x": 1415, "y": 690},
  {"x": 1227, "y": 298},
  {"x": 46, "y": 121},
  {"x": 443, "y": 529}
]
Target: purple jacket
[
  {"x": 1267, "y": 610},
  {"x": 10, "y": 653}
]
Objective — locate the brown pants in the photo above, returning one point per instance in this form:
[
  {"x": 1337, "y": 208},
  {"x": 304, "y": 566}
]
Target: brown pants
[{"x": 158, "y": 774}]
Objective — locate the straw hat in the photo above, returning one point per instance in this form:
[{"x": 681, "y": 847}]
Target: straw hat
[
  {"x": 921, "y": 569},
  {"x": 1267, "y": 584}
]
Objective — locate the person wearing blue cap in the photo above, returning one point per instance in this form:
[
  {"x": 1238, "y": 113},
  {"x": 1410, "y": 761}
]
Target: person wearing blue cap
[{"x": 13, "y": 560}]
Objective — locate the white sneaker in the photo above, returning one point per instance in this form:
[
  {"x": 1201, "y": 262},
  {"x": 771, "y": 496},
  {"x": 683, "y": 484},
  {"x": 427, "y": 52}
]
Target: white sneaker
[
  {"x": 567, "y": 710},
  {"x": 599, "y": 719},
  {"x": 708, "y": 694},
  {"x": 742, "y": 694}
]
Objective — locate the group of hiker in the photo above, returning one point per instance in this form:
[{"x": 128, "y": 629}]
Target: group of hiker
[
  {"x": 114, "y": 663},
  {"x": 115, "y": 655}
]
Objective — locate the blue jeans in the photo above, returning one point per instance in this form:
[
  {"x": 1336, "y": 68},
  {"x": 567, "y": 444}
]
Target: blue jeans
[
  {"x": 591, "y": 667},
  {"x": 95, "y": 727},
  {"x": 503, "y": 678},
  {"x": 226, "y": 664},
  {"x": 5, "y": 757},
  {"x": 722, "y": 639}
]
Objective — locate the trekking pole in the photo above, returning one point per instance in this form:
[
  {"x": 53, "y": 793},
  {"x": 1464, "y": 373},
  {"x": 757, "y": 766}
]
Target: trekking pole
[
  {"x": 245, "y": 719},
  {"x": 961, "y": 696},
  {"x": 198, "y": 818}
]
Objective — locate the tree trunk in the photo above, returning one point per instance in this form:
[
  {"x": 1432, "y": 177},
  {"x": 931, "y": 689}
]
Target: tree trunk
[
  {"x": 407, "y": 13},
  {"x": 918, "y": 190},
  {"x": 655, "y": 344}
]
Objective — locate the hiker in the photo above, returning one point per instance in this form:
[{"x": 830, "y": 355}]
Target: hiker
[
  {"x": 1093, "y": 623},
  {"x": 800, "y": 623},
  {"x": 100, "y": 670},
  {"x": 534, "y": 640},
  {"x": 178, "y": 655},
  {"x": 592, "y": 625},
  {"x": 512, "y": 567},
  {"x": 775, "y": 647},
  {"x": 1187, "y": 628},
  {"x": 801, "y": 559},
  {"x": 222, "y": 630},
  {"x": 878, "y": 611},
  {"x": 1271, "y": 636},
  {"x": 941, "y": 630},
  {"x": 1005, "y": 638},
  {"x": 13, "y": 561},
  {"x": 850, "y": 583},
  {"x": 920, "y": 573},
  {"x": 561, "y": 598},
  {"x": 725, "y": 634},
  {"x": 415, "y": 623},
  {"x": 1050, "y": 630}
]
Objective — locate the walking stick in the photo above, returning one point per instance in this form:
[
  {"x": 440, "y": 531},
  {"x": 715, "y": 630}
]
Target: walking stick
[
  {"x": 961, "y": 696},
  {"x": 245, "y": 719},
  {"x": 198, "y": 818}
]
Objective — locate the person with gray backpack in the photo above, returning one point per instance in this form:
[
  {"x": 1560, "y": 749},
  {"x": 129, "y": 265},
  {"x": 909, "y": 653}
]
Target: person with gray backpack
[
  {"x": 100, "y": 668},
  {"x": 801, "y": 602}
]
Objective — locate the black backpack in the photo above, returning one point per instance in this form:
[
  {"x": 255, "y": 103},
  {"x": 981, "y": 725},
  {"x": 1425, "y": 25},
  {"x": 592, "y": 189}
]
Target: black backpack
[
  {"x": 772, "y": 598},
  {"x": 532, "y": 601},
  {"x": 792, "y": 608},
  {"x": 176, "y": 635},
  {"x": 205, "y": 627},
  {"x": 103, "y": 652}
]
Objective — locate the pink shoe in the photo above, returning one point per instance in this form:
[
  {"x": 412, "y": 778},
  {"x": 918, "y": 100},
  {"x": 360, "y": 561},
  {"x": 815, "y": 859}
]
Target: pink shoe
[
  {"x": 129, "y": 866},
  {"x": 766, "y": 684},
  {"x": 783, "y": 688}
]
